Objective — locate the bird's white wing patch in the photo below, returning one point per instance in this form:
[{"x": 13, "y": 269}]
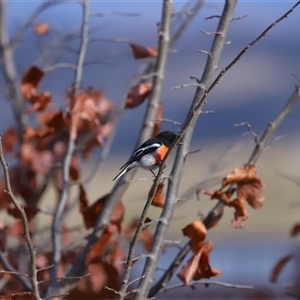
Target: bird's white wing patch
[{"x": 150, "y": 148}]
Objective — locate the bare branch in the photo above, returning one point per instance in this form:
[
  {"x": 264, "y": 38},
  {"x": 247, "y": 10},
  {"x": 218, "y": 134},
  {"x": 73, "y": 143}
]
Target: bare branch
[
  {"x": 112, "y": 290},
  {"x": 185, "y": 85},
  {"x": 239, "y": 18},
  {"x": 56, "y": 225},
  {"x": 31, "y": 249},
  {"x": 135, "y": 258},
  {"x": 207, "y": 283},
  {"x": 296, "y": 76},
  {"x": 65, "y": 278},
  {"x": 211, "y": 32},
  {"x": 233, "y": 19},
  {"x": 169, "y": 121},
  {"x": 59, "y": 66},
  {"x": 113, "y": 12},
  {"x": 188, "y": 14},
  {"x": 203, "y": 51},
  {"x": 250, "y": 131}
]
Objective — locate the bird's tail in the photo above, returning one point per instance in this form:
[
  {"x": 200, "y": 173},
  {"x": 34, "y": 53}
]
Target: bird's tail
[{"x": 121, "y": 174}]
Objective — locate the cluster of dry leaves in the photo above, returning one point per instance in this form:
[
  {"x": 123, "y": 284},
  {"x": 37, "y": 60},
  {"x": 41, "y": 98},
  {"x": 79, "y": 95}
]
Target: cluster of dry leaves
[{"x": 248, "y": 188}]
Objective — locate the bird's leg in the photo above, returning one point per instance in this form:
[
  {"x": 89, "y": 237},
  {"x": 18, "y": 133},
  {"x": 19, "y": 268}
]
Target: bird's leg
[{"x": 153, "y": 173}]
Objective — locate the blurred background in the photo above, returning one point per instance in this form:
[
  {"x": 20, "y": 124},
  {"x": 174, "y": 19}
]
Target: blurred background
[{"x": 254, "y": 91}]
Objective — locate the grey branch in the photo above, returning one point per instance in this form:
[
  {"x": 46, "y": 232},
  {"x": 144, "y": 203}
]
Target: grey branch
[
  {"x": 31, "y": 249},
  {"x": 57, "y": 222},
  {"x": 10, "y": 269},
  {"x": 12, "y": 90},
  {"x": 208, "y": 282}
]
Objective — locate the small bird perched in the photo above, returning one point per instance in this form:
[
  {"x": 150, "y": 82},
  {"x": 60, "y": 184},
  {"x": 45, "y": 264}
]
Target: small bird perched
[{"x": 150, "y": 154}]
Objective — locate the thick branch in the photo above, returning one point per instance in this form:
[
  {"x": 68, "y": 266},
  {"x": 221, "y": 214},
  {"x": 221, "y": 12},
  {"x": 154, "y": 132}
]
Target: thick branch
[{"x": 31, "y": 249}]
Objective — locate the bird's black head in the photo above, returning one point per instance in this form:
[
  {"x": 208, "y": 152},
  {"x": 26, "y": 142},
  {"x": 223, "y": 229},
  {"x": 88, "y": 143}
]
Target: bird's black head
[{"x": 167, "y": 137}]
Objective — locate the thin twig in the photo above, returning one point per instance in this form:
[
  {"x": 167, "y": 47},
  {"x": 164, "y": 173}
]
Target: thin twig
[
  {"x": 207, "y": 283},
  {"x": 65, "y": 278},
  {"x": 56, "y": 239},
  {"x": 31, "y": 249}
]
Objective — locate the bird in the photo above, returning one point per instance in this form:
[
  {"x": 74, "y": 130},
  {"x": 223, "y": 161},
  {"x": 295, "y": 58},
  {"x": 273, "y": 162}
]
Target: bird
[{"x": 150, "y": 154}]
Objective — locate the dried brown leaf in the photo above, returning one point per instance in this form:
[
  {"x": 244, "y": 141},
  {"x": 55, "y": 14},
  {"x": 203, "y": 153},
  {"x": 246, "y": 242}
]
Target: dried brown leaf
[
  {"x": 9, "y": 140},
  {"x": 139, "y": 51},
  {"x": 87, "y": 110},
  {"x": 146, "y": 236},
  {"x": 204, "y": 269},
  {"x": 39, "y": 101},
  {"x": 278, "y": 267},
  {"x": 30, "y": 81},
  {"x": 240, "y": 214},
  {"x": 115, "y": 256},
  {"x": 30, "y": 212},
  {"x": 157, "y": 124},
  {"x": 41, "y": 28},
  {"x": 98, "y": 248},
  {"x": 196, "y": 231},
  {"x": 295, "y": 230},
  {"x": 159, "y": 200},
  {"x": 250, "y": 186},
  {"x": 3, "y": 237},
  {"x": 90, "y": 213},
  {"x": 92, "y": 286},
  {"x": 138, "y": 94},
  {"x": 198, "y": 266},
  {"x": 52, "y": 119}
]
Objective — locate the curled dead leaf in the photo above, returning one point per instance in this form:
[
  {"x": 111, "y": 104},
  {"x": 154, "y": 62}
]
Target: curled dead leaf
[
  {"x": 98, "y": 248},
  {"x": 240, "y": 214},
  {"x": 146, "y": 236},
  {"x": 30, "y": 212},
  {"x": 198, "y": 266},
  {"x": 159, "y": 200},
  {"x": 89, "y": 110},
  {"x": 30, "y": 81},
  {"x": 157, "y": 124},
  {"x": 139, "y": 51},
  {"x": 138, "y": 94},
  {"x": 91, "y": 213},
  {"x": 9, "y": 140},
  {"x": 250, "y": 186},
  {"x": 295, "y": 230},
  {"x": 196, "y": 231},
  {"x": 277, "y": 269}
]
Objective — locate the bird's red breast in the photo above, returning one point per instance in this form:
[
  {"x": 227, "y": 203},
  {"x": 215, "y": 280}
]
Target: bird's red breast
[{"x": 160, "y": 153}]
